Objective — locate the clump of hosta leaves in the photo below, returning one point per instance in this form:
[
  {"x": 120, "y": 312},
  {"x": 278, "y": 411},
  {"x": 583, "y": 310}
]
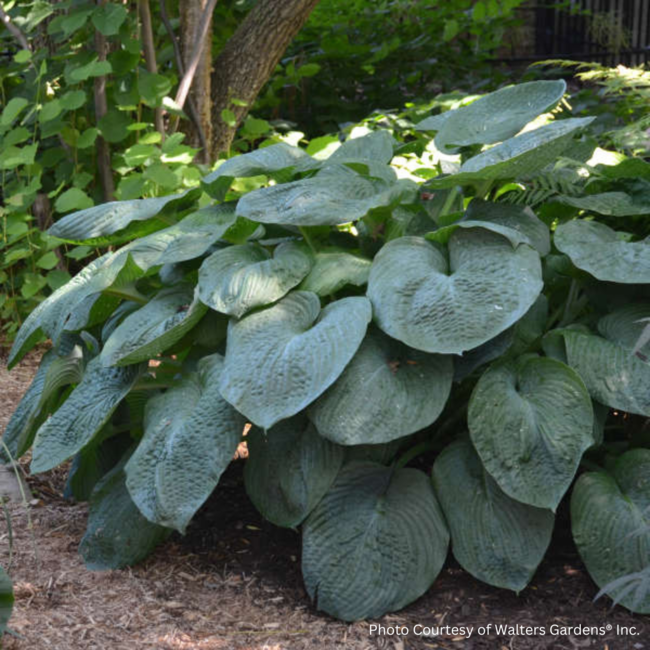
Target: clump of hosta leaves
[{"x": 356, "y": 319}]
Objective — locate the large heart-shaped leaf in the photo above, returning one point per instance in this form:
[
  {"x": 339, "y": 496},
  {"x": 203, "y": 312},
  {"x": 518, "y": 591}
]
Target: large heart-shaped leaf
[
  {"x": 236, "y": 279},
  {"x": 375, "y": 542},
  {"x": 387, "y": 391},
  {"x": 448, "y": 307},
  {"x": 434, "y": 122},
  {"x": 6, "y": 600},
  {"x": 336, "y": 195},
  {"x": 599, "y": 250},
  {"x": 613, "y": 375},
  {"x": 613, "y": 204},
  {"x": 499, "y": 115},
  {"x": 117, "y": 535},
  {"x": 497, "y": 539},
  {"x": 82, "y": 415},
  {"x": 153, "y": 328},
  {"x": 92, "y": 225},
  {"x": 610, "y": 519},
  {"x": 289, "y": 469},
  {"x": 530, "y": 422},
  {"x": 517, "y": 217},
  {"x": 267, "y": 160},
  {"x": 334, "y": 270},
  {"x": 190, "y": 436},
  {"x": 518, "y": 157},
  {"x": 189, "y": 238},
  {"x": 281, "y": 359},
  {"x": 58, "y": 368},
  {"x": 515, "y": 340},
  {"x": 375, "y": 147},
  {"x": 51, "y": 317}
]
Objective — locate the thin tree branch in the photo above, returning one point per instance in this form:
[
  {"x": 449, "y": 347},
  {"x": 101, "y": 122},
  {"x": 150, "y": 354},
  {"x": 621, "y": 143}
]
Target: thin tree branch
[
  {"x": 199, "y": 43},
  {"x": 150, "y": 55},
  {"x": 101, "y": 108},
  {"x": 191, "y": 106},
  {"x": 15, "y": 31}
]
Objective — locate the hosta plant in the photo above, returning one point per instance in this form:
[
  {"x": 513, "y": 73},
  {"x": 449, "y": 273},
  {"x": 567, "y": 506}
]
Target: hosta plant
[{"x": 366, "y": 325}]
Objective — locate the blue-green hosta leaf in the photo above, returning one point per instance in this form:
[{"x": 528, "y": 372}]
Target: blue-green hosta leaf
[
  {"x": 613, "y": 204},
  {"x": 336, "y": 195},
  {"x": 189, "y": 238},
  {"x": 517, "y": 217},
  {"x": 434, "y": 122},
  {"x": 6, "y": 600},
  {"x": 375, "y": 542},
  {"x": 610, "y": 519},
  {"x": 518, "y": 157},
  {"x": 494, "y": 537},
  {"x": 190, "y": 436},
  {"x": 375, "y": 147},
  {"x": 334, "y": 270},
  {"x": 153, "y": 328},
  {"x": 449, "y": 307},
  {"x": 119, "y": 314},
  {"x": 597, "y": 249},
  {"x": 268, "y": 160},
  {"x": 289, "y": 470},
  {"x": 387, "y": 391},
  {"x": 94, "y": 461},
  {"x": 236, "y": 279},
  {"x": 613, "y": 375},
  {"x": 442, "y": 235},
  {"x": 531, "y": 422},
  {"x": 58, "y": 368},
  {"x": 282, "y": 358},
  {"x": 51, "y": 317},
  {"x": 516, "y": 340},
  {"x": 497, "y": 116},
  {"x": 82, "y": 415},
  {"x": 100, "y": 221},
  {"x": 117, "y": 535}
]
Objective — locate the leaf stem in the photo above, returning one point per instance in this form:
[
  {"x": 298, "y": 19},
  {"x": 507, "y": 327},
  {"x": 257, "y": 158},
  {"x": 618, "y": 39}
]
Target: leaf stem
[
  {"x": 307, "y": 237},
  {"x": 449, "y": 201},
  {"x": 413, "y": 452},
  {"x": 125, "y": 294}
]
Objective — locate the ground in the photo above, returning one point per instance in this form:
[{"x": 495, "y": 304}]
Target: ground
[{"x": 233, "y": 582}]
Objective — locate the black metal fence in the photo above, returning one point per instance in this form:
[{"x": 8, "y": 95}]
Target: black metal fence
[{"x": 604, "y": 31}]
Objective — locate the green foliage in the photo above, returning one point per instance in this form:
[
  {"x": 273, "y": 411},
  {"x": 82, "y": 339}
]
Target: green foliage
[
  {"x": 354, "y": 55},
  {"x": 49, "y": 133},
  {"x": 361, "y": 306}
]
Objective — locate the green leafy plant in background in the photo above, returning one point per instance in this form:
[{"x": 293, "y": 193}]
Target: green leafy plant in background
[
  {"x": 52, "y": 130},
  {"x": 384, "y": 302},
  {"x": 352, "y": 56}
]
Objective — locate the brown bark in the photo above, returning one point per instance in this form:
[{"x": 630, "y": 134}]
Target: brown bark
[
  {"x": 249, "y": 58},
  {"x": 192, "y": 23},
  {"x": 101, "y": 107}
]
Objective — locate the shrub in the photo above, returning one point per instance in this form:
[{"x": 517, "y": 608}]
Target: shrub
[{"x": 359, "y": 319}]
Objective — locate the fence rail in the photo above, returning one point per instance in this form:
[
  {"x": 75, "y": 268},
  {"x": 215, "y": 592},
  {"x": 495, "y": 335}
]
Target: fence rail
[{"x": 605, "y": 31}]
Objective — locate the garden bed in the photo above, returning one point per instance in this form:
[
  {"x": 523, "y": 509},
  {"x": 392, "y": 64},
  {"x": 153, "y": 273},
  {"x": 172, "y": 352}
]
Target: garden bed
[{"x": 234, "y": 582}]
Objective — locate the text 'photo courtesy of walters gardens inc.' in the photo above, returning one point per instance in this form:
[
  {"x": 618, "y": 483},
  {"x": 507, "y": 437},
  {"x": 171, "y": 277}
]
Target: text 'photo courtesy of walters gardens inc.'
[{"x": 503, "y": 636}]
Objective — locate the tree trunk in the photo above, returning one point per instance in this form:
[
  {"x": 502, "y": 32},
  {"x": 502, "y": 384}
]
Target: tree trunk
[
  {"x": 249, "y": 58},
  {"x": 190, "y": 13}
]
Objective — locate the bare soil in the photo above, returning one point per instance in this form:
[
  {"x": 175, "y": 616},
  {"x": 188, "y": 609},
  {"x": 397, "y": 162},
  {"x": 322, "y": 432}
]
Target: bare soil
[{"x": 234, "y": 582}]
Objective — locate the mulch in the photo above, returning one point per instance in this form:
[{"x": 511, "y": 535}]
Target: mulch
[{"x": 233, "y": 582}]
